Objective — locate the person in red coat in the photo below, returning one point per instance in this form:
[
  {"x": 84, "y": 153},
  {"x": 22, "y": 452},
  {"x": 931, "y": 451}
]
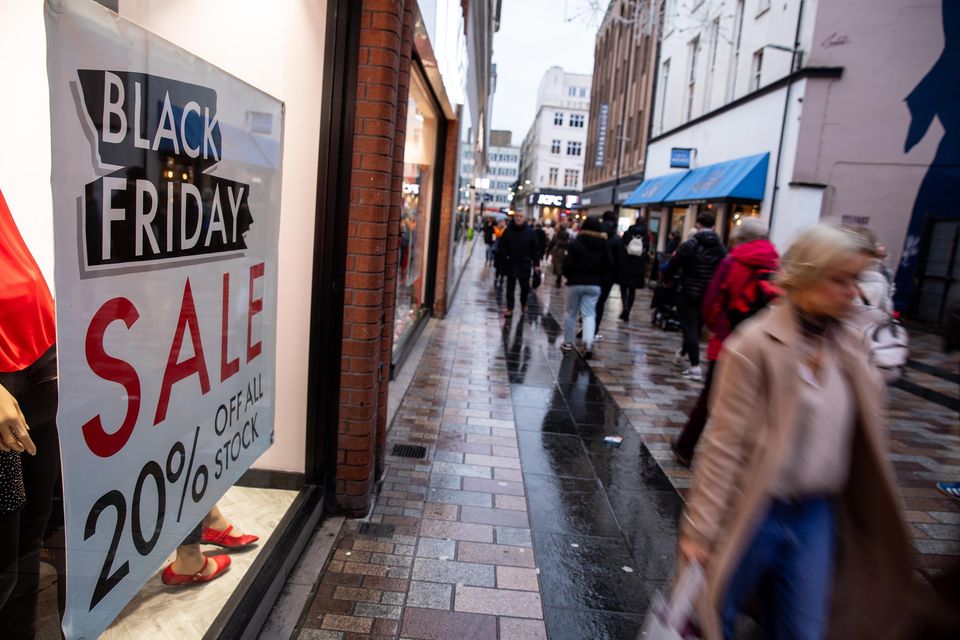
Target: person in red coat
[{"x": 742, "y": 285}]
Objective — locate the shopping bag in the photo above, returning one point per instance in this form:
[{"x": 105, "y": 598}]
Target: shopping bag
[
  {"x": 537, "y": 279},
  {"x": 675, "y": 619}
]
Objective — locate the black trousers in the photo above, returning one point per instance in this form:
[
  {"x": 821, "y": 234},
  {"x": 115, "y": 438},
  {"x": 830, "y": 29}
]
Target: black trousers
[
  {"x": 21, "y": 533},
  {"x": 512, "y": 287},
  {"x": 691, "y": 323},
  {"x": 629, "y": 296},
  {"x": 605, "y": 288},
  {"x": 688, "y": 438}
]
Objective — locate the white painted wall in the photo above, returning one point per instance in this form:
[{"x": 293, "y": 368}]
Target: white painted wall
[
  {"x": 25, "y": 127},
  {"x": 686, "y": 20},
  {"x": 278, "y": 48}
]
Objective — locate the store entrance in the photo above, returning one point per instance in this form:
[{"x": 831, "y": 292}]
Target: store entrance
[{"x": 937, "y": 284}]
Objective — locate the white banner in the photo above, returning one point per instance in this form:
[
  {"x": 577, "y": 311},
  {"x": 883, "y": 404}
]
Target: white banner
[{"x": 166, "y": 191}]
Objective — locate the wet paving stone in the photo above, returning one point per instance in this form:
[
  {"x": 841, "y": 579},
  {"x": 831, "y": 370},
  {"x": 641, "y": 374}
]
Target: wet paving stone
[
  {"x": 546, "y": 420},
  {"x": 548, "y": 453},
  {"x": 567, "y": 624},
  {"x": 590, "y": 575},
  {"x": 579, "y": 508}
]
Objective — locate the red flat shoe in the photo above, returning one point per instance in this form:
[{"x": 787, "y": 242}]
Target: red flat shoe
[
  {"x": 225, "y": 540},
  {"x": 171, "y": 578}
]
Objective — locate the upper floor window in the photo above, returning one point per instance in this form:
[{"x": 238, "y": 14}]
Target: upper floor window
[
  {"x": 558, "y": 118},
  {"x": 555, "y": 147},
  {"x": 583, "y": 92},
  {"x": 576, "y": 120},
  {"x": 574, "y": 148},
  {"x": 554, "y": 175},
  {"x": 572, "y": 92},
  {"x": 571, "y": 177},
  {"x": 757, "y": 71}
]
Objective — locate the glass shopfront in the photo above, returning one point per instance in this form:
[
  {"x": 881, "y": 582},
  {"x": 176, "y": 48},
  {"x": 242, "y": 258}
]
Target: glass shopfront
[
  {"x": 419, "y": 175},
  {"x": 203, "y": 434}
]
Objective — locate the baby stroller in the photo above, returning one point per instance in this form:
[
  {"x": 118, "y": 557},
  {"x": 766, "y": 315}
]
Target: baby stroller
[{"x": 664, "y": 312}]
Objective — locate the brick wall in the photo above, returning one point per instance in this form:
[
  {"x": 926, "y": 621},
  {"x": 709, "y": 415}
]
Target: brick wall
[{"x": 372, "y": 194}]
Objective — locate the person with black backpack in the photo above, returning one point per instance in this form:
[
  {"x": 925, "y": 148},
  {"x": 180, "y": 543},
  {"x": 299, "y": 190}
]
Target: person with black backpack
[
  {"x": 743, "y": 284},
  {"x": 632, "y": 264},
  {"x": 695, "y": 261}
]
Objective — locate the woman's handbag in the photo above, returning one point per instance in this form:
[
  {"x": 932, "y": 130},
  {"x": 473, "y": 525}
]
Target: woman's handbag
[{"x": 674, "y": 619}]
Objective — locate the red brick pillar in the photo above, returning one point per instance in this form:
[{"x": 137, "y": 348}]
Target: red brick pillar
[
  {"x": 393, "y": 230},
  {"x": 371, "y": 196},
  {"x": 448, "y": 202}
]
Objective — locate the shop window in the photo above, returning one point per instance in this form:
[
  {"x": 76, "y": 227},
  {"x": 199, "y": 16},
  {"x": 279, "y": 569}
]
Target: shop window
[
  {"x": 554, "y": 176},
  {"x": 418, "y": 177},
  {"x": 574, "y": 148},
  {"x": 555, "y": 147},
  {"x": 558, "y": 118}
]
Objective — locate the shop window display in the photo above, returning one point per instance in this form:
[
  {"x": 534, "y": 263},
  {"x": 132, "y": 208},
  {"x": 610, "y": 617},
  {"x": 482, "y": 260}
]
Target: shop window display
[{"x": 419, "y": 159}]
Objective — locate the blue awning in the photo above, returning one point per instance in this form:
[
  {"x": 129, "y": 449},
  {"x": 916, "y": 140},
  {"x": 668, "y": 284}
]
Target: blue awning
[
  {"x": 740, "y": 179},
  {"x": 654, "y": 190}
]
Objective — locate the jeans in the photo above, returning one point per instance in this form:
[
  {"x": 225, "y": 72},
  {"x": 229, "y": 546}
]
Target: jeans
[
  {"x": 512, "y": 287},
  {"x": 583, "y": 297},
  {"x": 690, "y": 323},
  {"x": 687, "y": 440},
  {"x": 602, "y": 301},
  {"x": 789, "y": 566},
  {"x": 35, "y": 389},
  {"x": 490, "y": 253}
]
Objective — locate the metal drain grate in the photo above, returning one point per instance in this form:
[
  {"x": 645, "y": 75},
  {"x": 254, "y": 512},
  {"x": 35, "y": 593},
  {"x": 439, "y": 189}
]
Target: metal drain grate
[
  {"x": 376, "y": 530},
  {"x": 409, "y": 451}
]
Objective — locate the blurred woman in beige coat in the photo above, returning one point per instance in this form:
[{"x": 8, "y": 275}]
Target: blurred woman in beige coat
[{"x": 793, "y": 501}]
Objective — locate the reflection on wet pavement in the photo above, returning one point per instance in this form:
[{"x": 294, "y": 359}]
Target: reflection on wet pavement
[{"x": 604, "y": 518}]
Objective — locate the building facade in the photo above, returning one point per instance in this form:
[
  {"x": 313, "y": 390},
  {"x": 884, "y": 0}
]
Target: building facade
[
  {"x": 552, "y": 153},
  {"x": 798, "y": 112},
  {"x": 620, "y": 104},
  {"x": 492, "y": 192}
]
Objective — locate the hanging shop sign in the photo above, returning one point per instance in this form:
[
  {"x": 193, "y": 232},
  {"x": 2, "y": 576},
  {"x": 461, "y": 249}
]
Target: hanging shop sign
[
  {"x": 602, "y": 134},
  {"x": 681, "y": 158},
  {"x": 166, "y": 220}
]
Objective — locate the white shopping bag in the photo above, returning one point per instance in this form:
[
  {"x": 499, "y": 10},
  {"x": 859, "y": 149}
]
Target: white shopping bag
[{"x": 674, "y": 620}]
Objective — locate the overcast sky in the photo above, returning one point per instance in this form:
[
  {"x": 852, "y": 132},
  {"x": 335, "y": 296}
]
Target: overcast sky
[{"x": 535, "y": 35}]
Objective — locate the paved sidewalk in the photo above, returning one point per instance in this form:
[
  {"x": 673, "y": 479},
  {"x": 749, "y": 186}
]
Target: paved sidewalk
[{"x": 521, "y": 522}]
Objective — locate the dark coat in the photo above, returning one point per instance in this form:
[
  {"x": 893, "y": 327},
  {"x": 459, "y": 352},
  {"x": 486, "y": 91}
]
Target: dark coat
[
  {"x": 588, "y": 261},
  {"x": 695, "y": 261},
  {"x": 488, "y": 233},
  {"x": 613, "y": 245},
  {"x": 541, "y": 240},
  {"x": 632, "y": 270},
  {"x": 558, "y": 249},
  {"x": 520, "y": 250}
]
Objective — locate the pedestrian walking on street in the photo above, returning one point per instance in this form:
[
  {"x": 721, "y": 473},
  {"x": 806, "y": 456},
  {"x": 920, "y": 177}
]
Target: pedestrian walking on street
[
  {"x": 632, "y": 264},
  {"x": 609, "y": 227},
  {"x": 488, "y": 239},
  {"x": 541, "y": 239},
  {"x": 499, "y": 257},
  {"x": 558, "y": 248},
  {"x": 586, "y": 266},
  {"x": 793, "y": 498},
  {"x": 743, "y": 284},
  {"x": 522, "y": 254},
  {"x": 695, "y": 261}
]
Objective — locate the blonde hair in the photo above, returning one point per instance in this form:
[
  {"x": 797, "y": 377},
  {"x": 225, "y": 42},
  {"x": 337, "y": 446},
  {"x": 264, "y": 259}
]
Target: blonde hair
[{"x": 817, "y": 250}]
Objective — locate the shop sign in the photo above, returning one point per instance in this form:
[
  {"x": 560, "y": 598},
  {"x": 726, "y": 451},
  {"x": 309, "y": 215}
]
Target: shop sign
[
  {"x": 602, "y": 134},
  {"x": 549, "y": 200},
  {"x": 166, "y": 221},
  {"x": 680, "y": 158},
  {"x": 572, "y": 201}
]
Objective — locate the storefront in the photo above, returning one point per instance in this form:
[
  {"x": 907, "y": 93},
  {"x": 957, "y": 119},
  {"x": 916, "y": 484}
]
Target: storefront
[
  {"x": 731, "y": 191},
  {"x": 420, "y": 217},
  {"x": 553, "y": 206},
  {"x": 194, "y": 163}
]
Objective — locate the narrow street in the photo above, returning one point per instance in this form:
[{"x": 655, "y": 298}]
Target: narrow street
[{"x": 520, "y": 522}]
